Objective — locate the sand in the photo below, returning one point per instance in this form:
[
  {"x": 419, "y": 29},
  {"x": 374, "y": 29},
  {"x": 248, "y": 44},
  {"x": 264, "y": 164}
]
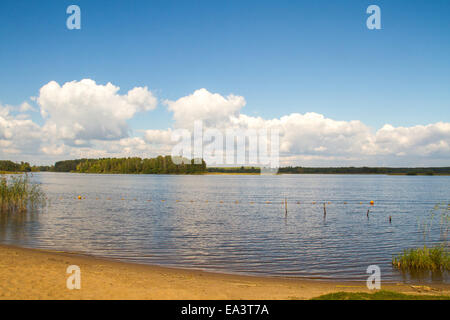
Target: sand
[{"x": 39, "y": 274}]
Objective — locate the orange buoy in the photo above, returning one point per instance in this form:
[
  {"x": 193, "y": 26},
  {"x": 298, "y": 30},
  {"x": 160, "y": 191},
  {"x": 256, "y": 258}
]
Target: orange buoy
[
  {"x": 79, "y": 197},
  {"x": 372, "y": 203}
]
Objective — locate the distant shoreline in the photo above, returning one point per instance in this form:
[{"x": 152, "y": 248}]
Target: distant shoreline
[{"x": 239, "y": 173}]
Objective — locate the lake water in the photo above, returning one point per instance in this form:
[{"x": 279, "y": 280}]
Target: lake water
[{"x": 237, "y": 223}]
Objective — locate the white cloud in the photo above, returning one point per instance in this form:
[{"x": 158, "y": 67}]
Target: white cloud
[
  {"x": 416, "y": 140},
  {"x": 84, "y": 119},
  {"x": 17, "y": 134},
  {"x": 84, "y": 110},
  {"x": 212, "y": 108},
  {"x": 25, "y": 106},
  {"x": 312, "y": 138},
  {"x": 159, "y": 136}
]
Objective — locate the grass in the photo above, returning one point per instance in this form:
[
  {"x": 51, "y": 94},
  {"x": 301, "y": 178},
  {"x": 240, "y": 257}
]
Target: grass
[
  {"x": 421, "y": 259},
  {"x": 18, "y": 194},
  {"x": 379, "y": 295}
]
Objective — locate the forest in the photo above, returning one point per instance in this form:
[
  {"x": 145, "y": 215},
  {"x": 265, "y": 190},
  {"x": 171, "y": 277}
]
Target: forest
[
  {"x": 158, "y": 165},
  {"x": 166, "y": 165}
]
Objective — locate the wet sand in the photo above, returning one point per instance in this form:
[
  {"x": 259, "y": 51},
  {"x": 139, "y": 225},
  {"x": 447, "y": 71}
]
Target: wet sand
[{"x": 39, "y": 274}]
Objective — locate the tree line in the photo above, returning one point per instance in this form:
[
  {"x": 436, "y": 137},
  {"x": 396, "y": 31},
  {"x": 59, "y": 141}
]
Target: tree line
[
  {"x": 7, "y": 165},
  {"x": 158, "y": 165},
  {"x": 166, "y": 165},
  {"x": 367, "y": 170}
]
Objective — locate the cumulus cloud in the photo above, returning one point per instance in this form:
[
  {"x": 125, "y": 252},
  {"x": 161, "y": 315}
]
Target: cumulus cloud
[
  {"x": 17, "y": 134},
  {"x": 85, "y": 119},
  {"x": 312, "y": 138},
  {"x": 212, "y": 108},
  {"x": 84, "y": 110},
  {"x": 416, "y": 140}
]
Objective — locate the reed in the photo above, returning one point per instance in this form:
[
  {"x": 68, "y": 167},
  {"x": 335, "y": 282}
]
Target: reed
[
  {"x": 19, "y": 194},
  {"x": 420, "y": 259},
  {"x": 436, "y": 258}
]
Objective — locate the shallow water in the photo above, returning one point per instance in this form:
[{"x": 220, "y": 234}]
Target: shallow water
[{"x": 224, "y": 223}]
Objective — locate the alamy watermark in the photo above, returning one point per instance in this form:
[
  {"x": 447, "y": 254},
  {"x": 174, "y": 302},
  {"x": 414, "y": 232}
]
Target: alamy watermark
[
  {"x": 374, "y": 280},
  {"x": 74, "y": 280},
  {"x": 228, "y": 147},
  {"x": 374, "y": 20},
  {"x": 74, "y": 20}
]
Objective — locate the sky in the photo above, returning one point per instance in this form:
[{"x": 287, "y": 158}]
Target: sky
[{"x": 340, "y": 93}]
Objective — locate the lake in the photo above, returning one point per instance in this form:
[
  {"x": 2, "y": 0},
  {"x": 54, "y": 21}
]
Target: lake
[{"x": 237, "y": 223}]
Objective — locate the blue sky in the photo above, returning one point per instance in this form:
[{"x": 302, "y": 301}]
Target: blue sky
[{"x": 283, "y": 56}]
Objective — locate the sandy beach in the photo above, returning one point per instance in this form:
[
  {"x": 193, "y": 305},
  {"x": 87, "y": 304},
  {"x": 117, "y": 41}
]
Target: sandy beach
[{"x": 39, "y": 274}]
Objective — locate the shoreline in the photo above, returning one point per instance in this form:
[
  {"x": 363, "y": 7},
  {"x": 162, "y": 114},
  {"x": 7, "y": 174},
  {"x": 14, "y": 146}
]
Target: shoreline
[
  {"x": 239, "y": 173},
  {"x": 41, "y": 274}
]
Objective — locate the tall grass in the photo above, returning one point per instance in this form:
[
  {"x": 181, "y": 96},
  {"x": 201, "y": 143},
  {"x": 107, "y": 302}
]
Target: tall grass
[
  {"x": 421, "y": 259},
  {"x": 19, "y": 194},
  {"x": 435, "y": 259}
]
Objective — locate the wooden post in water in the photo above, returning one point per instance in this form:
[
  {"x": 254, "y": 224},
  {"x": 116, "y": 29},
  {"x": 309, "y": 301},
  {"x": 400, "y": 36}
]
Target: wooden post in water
[
  {"x": 285, "y": 207},
  {"x": 368, "y": 213},
  {"x": 324, "y": 210}
]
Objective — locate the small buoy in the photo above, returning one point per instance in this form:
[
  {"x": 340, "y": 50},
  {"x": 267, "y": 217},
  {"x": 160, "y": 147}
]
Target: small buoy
[
  {"x": 163, "y": 200},
  {"x": 314, "y": 202},
  {"x": 329, "y": 202},
  {"x": 298, "y": 202},
  {"x": 221, "y": 201},
  {"x": 360, "y": 202},
  {"x": 236, "y": 201},
  {"x": 372, "y": 202},
  {"x": 267, "y": 201},
  {"x": 251, "y": 202},
  {"x": 79, "y": 197},
  {"x": 177, "y": 201},
  {"x": 345, "y": 202}
]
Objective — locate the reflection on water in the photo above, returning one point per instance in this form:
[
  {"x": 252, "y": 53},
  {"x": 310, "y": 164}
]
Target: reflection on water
[
  {"x": 237, "y": 223},
  {"x": 14, "y": 225}
]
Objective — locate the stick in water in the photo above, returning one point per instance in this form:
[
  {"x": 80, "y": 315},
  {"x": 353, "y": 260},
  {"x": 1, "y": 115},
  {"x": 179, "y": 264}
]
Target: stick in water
[{"x": 285, "y": 206}]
